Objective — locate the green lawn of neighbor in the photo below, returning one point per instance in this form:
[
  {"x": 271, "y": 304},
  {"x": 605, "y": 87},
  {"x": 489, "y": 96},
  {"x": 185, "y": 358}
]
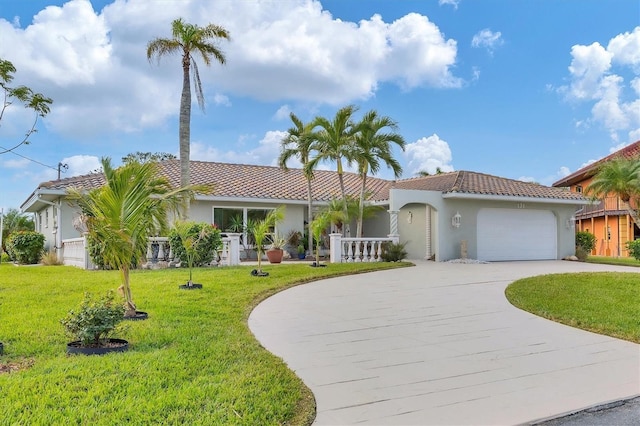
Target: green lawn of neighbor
[
  {"x": 603, "y": 302},
  {"x": 624, "y": 261},
  {"x": 193, "y": 362}
]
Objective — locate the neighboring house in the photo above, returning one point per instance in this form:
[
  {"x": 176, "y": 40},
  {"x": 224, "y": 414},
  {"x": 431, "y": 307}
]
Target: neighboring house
[
  {"x": 438, "y": 216},
  {"x": 608, "y": 219}
]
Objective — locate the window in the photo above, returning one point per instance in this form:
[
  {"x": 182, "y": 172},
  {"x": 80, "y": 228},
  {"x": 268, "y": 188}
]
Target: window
[
  {"x": 234, "y": 219},
  {"x": 579, "y": 188}
]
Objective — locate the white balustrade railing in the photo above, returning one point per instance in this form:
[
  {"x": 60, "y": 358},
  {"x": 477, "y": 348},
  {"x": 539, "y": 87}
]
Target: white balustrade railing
[
  {"x": 74, "y": 253},
  {"x": 357, "y": 249},
  {"x": 159, "y": 250}
]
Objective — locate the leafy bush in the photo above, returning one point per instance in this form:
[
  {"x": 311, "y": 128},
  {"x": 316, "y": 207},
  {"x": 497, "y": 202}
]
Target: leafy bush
[
  {"x": 586, "y": 240},
  {"x": 25, "y": 246},
  {"x": 392, "y": 252},
  {"x": 634, "y": 248},
  {"x": 205, "y": 249},
  {"x": 95, "y": 320}
]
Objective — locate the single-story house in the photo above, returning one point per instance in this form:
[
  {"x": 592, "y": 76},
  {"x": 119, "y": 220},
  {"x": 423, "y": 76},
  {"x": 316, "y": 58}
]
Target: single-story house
[{"x": 439, "y": 217}]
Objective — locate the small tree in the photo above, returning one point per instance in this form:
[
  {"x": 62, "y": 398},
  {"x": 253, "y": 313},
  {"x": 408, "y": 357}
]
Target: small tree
[
  {"x": 24, "y": 95},
  {"x": 260, "y": 230},
  {"x": 195, "y": 243},
  {"x": 319, "y": 225},
  {"x": 133, "y": 204}
]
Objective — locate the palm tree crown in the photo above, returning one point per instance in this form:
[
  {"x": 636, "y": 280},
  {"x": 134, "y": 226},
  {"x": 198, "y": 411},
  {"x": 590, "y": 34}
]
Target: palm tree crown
[
  {"x": 189, "y": 39},
  {"x": 620, "y": 176},
  {"x": 299, "y": 142},
  {"x": 372, "y": 148},
  {"x": 335, "y": 142}
]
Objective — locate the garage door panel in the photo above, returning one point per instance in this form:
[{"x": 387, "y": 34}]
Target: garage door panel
[{"x": 514, "y": 234}]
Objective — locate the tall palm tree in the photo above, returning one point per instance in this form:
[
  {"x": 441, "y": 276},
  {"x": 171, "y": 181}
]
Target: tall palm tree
[
  {"x": 299, "y": 143},
  {"x": 133, "y": 204},
  {"x": 189, "y": 39},
  {"x": 373, "y": 147},
  {"x": 335, "y": 142}
]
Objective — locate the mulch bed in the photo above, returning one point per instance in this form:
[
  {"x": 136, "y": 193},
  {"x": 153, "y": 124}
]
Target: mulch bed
[{"x": 12, "y": 367}]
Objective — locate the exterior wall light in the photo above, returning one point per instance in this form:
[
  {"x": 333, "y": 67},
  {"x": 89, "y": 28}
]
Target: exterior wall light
[
  {"x": 456, "y": 220},
  {"x": 571, "y": 222},
  {"x": 409, "y": 217}
]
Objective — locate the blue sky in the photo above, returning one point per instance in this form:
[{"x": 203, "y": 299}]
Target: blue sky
[{"x": 529, "y": 90}]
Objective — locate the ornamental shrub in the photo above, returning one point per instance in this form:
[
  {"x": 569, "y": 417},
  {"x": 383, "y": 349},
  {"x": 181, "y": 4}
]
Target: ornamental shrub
[
  {"x": 586, "y": 240},
  {"x": 634, "y": 248},
  {"x": 392, "y": 252},
  {"x": 95, "y": 320},
  {"x": 26, "y": 247},
  {"x": 205, "y": 238}
]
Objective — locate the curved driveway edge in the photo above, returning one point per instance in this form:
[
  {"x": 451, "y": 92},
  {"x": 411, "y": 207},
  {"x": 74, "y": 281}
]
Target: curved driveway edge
[{"x": 439, "y": 344}]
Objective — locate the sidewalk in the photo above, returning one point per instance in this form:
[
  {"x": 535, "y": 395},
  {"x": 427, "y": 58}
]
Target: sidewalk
[{"x": 439, "y": 344}]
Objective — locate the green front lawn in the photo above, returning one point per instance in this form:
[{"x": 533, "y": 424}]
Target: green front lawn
[
  {"x": 623, "y": 261},
  {"x": 603, "y": 302},
  {"x": 194, "y": 361}
]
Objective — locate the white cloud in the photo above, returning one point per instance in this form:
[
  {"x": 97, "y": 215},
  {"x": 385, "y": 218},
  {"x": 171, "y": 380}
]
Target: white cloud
[
  {"x": 527, "y": 179},
  {"x": 453, "y": 3},
  {"x": 564, "y": 171},
  {"x": 220, "y": 99},
  {"x": 428, "y": 154},
  {"x": 597, "y": 76},
  {"x": 93, "y": 64},
  {"x": 282, "y": 113},
  {"x": 487, "y": 39},
  {"x": 266, "y": 153}
]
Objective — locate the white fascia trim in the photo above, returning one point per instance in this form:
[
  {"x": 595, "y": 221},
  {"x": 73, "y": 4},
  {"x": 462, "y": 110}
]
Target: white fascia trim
[
  {"x": 36, "y": 197},
  {"x": 467, "y": 196},
  {"x": 251, "y": 200}
]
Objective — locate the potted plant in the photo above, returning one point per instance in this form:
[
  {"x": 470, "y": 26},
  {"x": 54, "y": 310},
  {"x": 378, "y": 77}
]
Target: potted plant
[
  {"x": 195, "y": 243},
  {"x": 93, "y": 323},
  {"x": 276, "y": 252},
  {"x": 302, "y": 255},
  {"x": 259, "y": 231}
]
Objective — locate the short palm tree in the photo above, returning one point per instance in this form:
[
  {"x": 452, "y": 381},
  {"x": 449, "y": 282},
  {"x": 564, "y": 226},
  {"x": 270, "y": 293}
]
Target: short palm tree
[
  {"x": 187, "y": 40},
  {"x": 260, "y": 230},
  {"x": 299, "y": 142},
  {"x": 619, "y": 176},
  {"x": 373, "y": 147},
  {"x": 335, "y": 142},
  {"x": 133, "y": 204}
]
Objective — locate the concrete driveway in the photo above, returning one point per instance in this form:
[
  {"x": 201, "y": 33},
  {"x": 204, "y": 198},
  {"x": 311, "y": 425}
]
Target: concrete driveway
[{"x": 439, "y": 344}]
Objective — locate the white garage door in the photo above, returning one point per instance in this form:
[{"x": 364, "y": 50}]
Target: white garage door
[{"x": 513, "y": 234}]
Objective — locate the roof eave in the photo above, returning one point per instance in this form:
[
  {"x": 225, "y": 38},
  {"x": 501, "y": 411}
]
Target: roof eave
[
  {"x": 520, "y": 199},
  {"x": 36, "y": 199}
]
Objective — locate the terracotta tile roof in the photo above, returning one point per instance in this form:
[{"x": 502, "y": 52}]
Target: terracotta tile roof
[
  {"x": 267, "y": 182},
  {"x": 629, "y": 151},
  {"x": 465, "y": 182},
  {"x": 250, "y": 181}
]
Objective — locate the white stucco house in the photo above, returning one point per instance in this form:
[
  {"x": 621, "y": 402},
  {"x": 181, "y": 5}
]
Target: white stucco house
[{"x": 439, "y": 217}]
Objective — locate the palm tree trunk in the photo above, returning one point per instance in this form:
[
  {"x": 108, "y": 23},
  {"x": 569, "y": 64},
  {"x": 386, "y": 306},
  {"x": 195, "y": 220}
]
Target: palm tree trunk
[
  {"x": 130, "y": 307},
  {"x": 361, "y": 206},
  {"x": 309, "y": 216},
  {"x": 345, "y": 228},
  {"x": 185, "y": 129}
]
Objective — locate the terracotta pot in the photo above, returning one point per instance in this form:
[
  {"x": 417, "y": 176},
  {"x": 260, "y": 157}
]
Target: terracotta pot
[
  {"x": 115, "y": 345},
  {"x": 275, "y": 255}
]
